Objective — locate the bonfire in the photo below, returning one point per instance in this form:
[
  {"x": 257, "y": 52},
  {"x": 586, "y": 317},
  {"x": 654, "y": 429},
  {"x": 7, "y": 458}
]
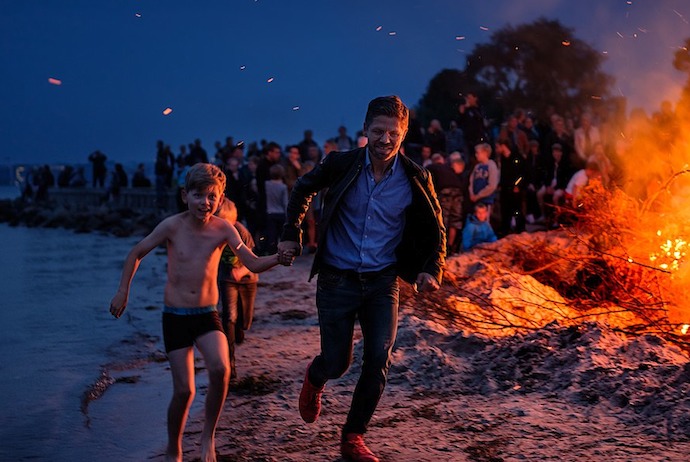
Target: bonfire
[{"x": 621, "y": 262}]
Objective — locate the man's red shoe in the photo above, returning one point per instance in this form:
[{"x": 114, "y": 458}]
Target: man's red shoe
[
  {"x": 310, "y": 399},
  {"x": 353, "y": 448}
]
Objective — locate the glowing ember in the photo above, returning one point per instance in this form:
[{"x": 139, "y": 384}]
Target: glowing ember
[
  {"x": 243, "y": 68},
  {"x": 392, "y": 33},
  {"x": 167, "y": 111},
  {"x": 566, "y": 43},
  {"x": 295, "y": 108},
  {"x": 483, "y": 28},
  {"x": 378, "y": 29},
  {"x": 270, "y": 80},
  {"x": 138, "y": 15},
  {"x": 672, "y": 254},
  {"x": 53, "y": 81},
  {"x": 460, "y": 37},
  {"x": 684, "y": 329}
]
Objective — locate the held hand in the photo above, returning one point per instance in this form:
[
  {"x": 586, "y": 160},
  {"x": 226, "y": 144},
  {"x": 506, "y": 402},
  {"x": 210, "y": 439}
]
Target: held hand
[
  {"x": 286, "y": 258},
  {"x": 426, "y": 283},
  {"x": 287, "y": 251},
  {"x": 118, "y": 304}
]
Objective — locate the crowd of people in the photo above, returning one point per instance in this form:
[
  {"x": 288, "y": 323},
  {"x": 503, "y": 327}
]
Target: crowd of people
[{"x": 523, "y": 170}]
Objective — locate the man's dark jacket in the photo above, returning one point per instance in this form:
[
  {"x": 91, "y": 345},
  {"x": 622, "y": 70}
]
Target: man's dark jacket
[{"x": 423, "y": 246}]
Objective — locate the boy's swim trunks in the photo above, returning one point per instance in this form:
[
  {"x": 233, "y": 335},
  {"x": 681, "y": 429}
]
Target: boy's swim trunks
[{"x": 182, "y": 326}]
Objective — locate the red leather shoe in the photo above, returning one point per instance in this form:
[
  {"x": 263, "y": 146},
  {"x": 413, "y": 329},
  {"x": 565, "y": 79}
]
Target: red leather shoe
[
  {"x": 310, "y": 399},
  {"x": 353, "y": 448}
]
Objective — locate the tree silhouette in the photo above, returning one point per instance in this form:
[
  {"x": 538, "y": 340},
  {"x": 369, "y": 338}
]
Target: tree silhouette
[{"x": 534, "y": 66}]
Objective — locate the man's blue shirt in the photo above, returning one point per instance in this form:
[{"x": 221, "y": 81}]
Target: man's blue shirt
[{"x": 369, "y": 223}]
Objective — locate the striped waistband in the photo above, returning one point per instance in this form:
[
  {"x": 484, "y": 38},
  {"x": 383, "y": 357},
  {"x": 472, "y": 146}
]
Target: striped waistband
[{"x": 188, "y": 311}]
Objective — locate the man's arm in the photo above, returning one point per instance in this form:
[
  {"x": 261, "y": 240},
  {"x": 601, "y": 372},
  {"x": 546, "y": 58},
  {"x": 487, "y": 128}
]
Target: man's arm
[{"x": 300, "y": 198}]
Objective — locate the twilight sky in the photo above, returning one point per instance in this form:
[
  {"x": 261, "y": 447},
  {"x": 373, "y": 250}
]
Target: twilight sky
[{"x": 269, "y": 69}]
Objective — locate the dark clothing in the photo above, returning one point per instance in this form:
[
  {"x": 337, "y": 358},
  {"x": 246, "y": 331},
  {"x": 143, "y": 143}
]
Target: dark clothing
[
  {"x": 237, "y": 296},
  {"x": 98, "y": 159},
  {"x": 512, "y": 196},
  {"x": 423, "y": 245},
  {"x": 471, "y": 122},
  {"x": 550, "y": 170},
  {"x": 449, "y": 188},
  {"x": 455, "y": 141},
  {"x": 345, "y": 295},
  {"x": 341, "y": 297},
  {"x": 436, "y": 140},
  {"x": 182, "y": 330},
  {"x": 443, "y": 177},
  {"x": 139, "y": 180},
  {"x": 565, "y": 140}
]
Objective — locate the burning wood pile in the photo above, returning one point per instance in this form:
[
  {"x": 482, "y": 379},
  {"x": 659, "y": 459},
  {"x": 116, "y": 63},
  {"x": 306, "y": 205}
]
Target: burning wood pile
[{"x": 620, "y": 262}]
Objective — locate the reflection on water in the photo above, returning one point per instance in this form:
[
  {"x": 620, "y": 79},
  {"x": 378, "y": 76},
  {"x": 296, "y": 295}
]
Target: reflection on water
[{"x": 54, "y": 339}]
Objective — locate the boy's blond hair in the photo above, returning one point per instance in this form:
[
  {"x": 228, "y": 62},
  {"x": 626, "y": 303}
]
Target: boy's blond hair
[
  {"x": 202, "y": 175},
  {"x": 227, "y": 211}
]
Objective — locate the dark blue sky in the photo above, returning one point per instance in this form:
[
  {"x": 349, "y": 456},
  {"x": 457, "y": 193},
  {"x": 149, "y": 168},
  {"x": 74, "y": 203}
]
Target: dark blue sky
[{"x": 122, "y": 62}]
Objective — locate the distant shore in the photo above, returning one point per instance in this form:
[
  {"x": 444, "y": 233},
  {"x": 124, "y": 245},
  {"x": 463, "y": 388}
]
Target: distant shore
[{"x": 108, "y": 218}]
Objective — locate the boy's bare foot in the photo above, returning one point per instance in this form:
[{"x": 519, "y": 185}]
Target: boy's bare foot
[{"x": 208, "y": 451}]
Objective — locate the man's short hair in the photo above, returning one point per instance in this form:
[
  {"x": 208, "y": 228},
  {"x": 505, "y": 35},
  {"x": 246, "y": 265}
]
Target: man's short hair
[
  {"x": 202, "y": 175},
  {"x": 389, "y": 106}
]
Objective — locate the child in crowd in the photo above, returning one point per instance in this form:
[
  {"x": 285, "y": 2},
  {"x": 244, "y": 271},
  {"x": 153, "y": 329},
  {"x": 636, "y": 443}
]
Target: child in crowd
[
  {"x": 484, "y": 177},
  {"x": 579, "y": 180},
  {"x": 237, "y": 286},
  {"x": 195, "y": 240},
  {"x": 477, "y": 229}
]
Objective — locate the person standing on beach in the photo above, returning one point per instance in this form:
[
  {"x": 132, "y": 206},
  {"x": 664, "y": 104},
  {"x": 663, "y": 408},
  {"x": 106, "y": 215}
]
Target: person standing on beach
[
  {"x": 381, "y": 219},
  {"x": 237, "y": 286},
  {"x": 97, "y": 159},
  {"x": 195, "y": 240}
]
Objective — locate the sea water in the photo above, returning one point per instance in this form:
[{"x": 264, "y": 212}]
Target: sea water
[{"x": 56, "y": 338}]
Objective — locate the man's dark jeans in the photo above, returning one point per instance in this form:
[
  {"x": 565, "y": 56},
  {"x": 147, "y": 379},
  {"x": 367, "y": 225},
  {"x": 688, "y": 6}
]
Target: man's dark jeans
[{"x": 341, "y": 297}]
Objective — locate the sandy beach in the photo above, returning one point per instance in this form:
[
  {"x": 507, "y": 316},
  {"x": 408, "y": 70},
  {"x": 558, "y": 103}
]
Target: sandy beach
[
  {"x": 558, "y": 393},
  {"x": 84, "y": 386}
]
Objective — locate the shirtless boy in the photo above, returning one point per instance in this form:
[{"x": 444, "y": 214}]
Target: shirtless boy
[{"x": 195, "y": 240}]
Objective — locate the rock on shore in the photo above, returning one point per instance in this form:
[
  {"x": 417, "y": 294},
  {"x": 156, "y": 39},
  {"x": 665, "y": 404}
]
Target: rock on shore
[{"x": 121, "y": 222}]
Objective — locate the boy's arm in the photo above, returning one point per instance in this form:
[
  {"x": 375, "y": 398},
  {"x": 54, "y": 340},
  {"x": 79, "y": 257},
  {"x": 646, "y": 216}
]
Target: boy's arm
[
  {"x": 247, "y": 257},
  {"x": 134, "y": 257}
]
